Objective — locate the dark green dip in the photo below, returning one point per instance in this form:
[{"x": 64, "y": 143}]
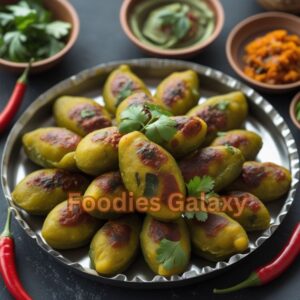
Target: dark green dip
[{"x": 170, "y": 26}]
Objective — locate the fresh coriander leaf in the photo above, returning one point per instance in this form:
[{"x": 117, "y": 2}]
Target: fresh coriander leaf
[
  {"x": 87, "y": 113},
  {"x": 223, "y": 105},
  {"x": 170, "y": 254},
  {"x": 135, "y": 112},
  {"x": 199, "y": 185},
  {"x": 16, "y": 48},
  {"x": 54, "y": 47},
  {"x": 23, "y": 22},
  {"x": 21, "y": 9},
  {"x": 125, "y": 92},
  {"x": 182, "y": 27},
  {"x": 151, "y": 185},
  {"x": 189, "y": 215},
  {"x": 157, "y": 110},
  {"x": 58, "y": 29},
  {"x": 133, "y": 118},
  {"x": 6, "y": 18},
  {"x": 27, "y": 31},
  {"x": 230, "y": 149},
  {"x": 2, "y": 45},
  {"x": 161, "y": 130},
  {"x": 201, "y": 216},
  {"x": 44, "y": 16},
  {"x": 128, "y": 126}
]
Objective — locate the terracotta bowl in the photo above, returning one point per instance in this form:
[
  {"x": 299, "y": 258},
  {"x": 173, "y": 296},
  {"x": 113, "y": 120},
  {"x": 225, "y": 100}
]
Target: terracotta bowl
[
  {"x": 293, "y": 105},
  {"x": 248, "y": 30},
  {"x": 127, "y": 9},
  {"x": 62, "y": 10},
  {"x": 292, "y": 6}
]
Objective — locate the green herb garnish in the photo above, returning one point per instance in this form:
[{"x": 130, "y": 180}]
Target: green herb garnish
[
  {"x": 230, "y": 149},
  {"x": 199, "y": 185},
  {"x": 150, "y": 119},
  {"x": 27, "y": 30},
  {"x": 125, "y": 92},
  {"x": 170, "y": 254},
  {"x": 195, "y": 187},
  {"x": 223, "y": 105},
  {"x": 86, "y": 113},
  {"x": 151, "y": 185},
  {"x": 298, "y": 111}
]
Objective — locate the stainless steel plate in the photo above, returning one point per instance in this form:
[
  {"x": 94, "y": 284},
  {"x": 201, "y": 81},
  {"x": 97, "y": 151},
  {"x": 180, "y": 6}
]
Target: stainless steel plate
[{"x": 279, "y": 147}]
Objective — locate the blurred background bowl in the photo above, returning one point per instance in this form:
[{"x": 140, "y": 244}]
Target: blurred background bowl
[
  {"x": 62, "y": 10},
  {"x": 129, "y": 6},
  {"x": 251, "y": 28},
  {"x": 292, "y": 6},
  {"x": 293, "y": 110}
]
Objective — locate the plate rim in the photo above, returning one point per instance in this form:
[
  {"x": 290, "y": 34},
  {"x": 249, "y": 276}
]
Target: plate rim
[{"x": 157, "y": 281}]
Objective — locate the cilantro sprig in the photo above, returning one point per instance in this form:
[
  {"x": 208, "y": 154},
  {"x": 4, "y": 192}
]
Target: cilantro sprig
[
  {"x": 170, "y": 254},
  {"x": 27, "y": 30},
  {"x": 195, "y": 187},
  {"x": 150, "y": 119},
  {"x": 125, "y": 92}
]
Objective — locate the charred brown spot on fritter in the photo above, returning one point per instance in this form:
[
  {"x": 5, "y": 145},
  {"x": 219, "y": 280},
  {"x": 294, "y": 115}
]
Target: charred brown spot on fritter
[
  {"x": 150, "y": 155},
  {"x": 118, "y": 234},
  {"x": 161, "y": 230},
  {"x": 89, "y": 117},
  {"x": 62, "y": 138}
]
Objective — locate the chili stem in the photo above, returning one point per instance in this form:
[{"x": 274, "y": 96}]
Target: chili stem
[
  {"x": 252, "y": 280},
  {"x": 6, "y": 232},
  {"x": 24, "y": 77}
]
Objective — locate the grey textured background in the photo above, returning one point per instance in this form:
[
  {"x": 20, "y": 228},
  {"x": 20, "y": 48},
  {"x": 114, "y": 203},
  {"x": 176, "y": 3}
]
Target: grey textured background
[{"x": 102, "y": 40}]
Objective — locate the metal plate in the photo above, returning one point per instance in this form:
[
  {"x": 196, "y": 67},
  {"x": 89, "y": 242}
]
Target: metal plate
[{"x": 279, "y": 147}]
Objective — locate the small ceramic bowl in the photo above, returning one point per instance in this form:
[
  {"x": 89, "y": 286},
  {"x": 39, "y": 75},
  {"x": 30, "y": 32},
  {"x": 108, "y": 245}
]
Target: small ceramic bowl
[
  {"x": 64, "y": 11},
  {"x": 293, "y": 105},
  {"x": 129, "y": 6},
  {"x": 247, "y": 31},
  {"x": 291, "y": 6}
]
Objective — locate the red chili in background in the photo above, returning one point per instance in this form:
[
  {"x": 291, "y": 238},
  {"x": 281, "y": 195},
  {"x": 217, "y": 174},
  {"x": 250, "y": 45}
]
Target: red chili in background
[
  {"x": 273, "y": 270},
  {"x": 15, "y": 100},
  {"x": 7, "y": 263}
]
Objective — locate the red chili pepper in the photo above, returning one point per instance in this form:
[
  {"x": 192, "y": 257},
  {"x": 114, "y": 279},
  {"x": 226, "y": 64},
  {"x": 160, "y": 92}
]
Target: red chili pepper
[
  {"x": 7, "y": 263},
  {"x": 15, "y": 100},
  {"x": 273, "y": 270}
]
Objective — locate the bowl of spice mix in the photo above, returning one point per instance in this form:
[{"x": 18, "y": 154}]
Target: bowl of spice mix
[{"x": 265, "y": 51}]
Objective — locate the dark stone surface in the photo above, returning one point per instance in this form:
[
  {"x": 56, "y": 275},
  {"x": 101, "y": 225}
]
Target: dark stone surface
[{"x": 102, "y": 40}]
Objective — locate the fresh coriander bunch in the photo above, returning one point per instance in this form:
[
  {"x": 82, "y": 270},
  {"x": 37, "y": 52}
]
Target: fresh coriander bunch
[
  {"x": 28, "y": 30},
  {"x": 150, "y": 119}
]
